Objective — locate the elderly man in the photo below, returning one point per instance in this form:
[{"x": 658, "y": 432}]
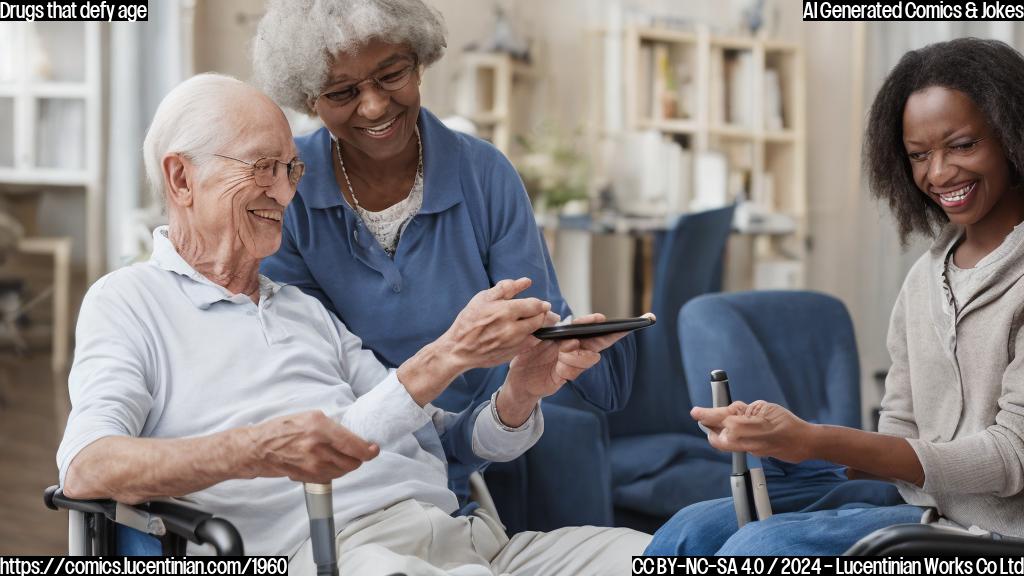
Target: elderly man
[{"x": 194, "y": 375}]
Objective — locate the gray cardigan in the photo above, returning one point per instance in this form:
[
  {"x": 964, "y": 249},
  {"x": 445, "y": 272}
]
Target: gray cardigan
[{"x": 956, "y": 388}]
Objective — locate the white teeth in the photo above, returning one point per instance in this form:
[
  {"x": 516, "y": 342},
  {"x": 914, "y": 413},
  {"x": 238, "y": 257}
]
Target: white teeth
[
  {"x": 381, "y": 128},
  {"x": 269, "y": 214},
  {"x": 957, "y": 195}
]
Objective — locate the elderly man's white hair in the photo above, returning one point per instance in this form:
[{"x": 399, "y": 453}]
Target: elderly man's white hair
[
  {"x": 195, "y": 119},
  {"x": 297, "y": 39}
]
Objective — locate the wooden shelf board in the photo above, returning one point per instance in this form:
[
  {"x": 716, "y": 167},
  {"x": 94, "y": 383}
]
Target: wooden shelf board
[
  {"x": 674, "y": 126},
  {"x": 733, "y": 131},
  {"x": 487, "y": 119},
  {"x": 663, "y": 35},
  {"x": 31, "y": 179},
  {"x": 780, "y": 46},
  {"x": 783, "y": 137},
  {"x": 60, "y": 90},
  {"x": 733, "y": 43}
]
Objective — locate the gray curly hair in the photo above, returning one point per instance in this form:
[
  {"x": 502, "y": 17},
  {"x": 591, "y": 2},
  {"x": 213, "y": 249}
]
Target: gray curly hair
[{"x": 297, "y": 40}]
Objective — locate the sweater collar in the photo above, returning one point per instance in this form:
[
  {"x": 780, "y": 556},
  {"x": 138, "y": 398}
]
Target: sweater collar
[{"x": 994, "y": 278}]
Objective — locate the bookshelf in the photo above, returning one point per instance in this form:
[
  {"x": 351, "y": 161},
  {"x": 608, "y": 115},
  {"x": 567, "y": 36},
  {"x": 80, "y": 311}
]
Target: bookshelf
[
  {"x": 489, "y": 93},
  {"x": 51, "y": 146},
  {"x": 735, "y": 99},
  {"x": 50, "y": 114}
]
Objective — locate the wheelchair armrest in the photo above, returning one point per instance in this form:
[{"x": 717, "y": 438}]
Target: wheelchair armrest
[
  {"x": 930, "y": 540},
  {"x": 193, "y": 525}
]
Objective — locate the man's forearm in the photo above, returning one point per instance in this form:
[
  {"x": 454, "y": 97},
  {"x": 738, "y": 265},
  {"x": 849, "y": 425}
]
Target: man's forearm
[
  {"x": 880, "y": 455},
  {"x": 133, "y": 470}
]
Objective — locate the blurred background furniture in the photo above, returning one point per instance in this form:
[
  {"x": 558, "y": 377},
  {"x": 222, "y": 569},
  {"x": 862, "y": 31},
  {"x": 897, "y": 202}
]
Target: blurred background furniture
[
  {"x": 592, "y": 468},
  {"x": 564, "y": 480},
  {"x": 655, "y": 446}
]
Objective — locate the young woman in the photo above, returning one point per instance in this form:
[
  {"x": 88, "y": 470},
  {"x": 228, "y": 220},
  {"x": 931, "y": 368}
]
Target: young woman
[{"x": 945, "y": 150}]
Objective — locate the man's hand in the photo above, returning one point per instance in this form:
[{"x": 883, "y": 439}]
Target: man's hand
[
  {"x": 306, "y": 447},
  {"x": 761, "y": 428}
]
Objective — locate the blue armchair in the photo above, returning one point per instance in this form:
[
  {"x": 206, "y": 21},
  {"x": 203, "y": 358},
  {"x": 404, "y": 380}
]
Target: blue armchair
[
  {"x": 659, "y": 457},
  {"x": 792, "y": 348},
  {"x": 564, "y": 480}
]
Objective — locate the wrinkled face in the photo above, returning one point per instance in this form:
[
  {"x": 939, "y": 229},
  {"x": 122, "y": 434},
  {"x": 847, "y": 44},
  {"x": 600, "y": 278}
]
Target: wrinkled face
[
  {"x": 955, "y": 158},
  {"x": 229, "y": 206},
  {"x": 377, "y": 122}
]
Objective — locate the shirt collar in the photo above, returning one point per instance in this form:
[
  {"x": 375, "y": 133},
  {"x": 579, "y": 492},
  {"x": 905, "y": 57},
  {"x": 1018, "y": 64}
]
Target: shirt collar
[
  {"x": 200, "y": 290},
  {"x": 441, "y": 158}
]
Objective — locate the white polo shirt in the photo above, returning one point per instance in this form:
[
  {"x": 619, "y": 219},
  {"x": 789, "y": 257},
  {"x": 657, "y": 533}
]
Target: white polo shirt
[{"x": 163, "y": 352}]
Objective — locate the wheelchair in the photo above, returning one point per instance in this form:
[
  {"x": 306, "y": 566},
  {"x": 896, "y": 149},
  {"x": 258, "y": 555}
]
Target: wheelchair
[
  {"x": 930, "y": 540},
  {"x": 108, "y": 528}
]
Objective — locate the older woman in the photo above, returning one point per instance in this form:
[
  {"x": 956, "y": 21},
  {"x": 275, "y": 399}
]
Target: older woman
[
  {"x": 945, "y": 150},
  {"x": 399, "y": 220}
]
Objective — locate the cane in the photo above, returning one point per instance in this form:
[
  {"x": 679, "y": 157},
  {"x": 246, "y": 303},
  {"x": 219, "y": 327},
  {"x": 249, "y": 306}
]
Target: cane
[
  {"x": 320, "y": 506},
  {"x": 749, "y": 488}
]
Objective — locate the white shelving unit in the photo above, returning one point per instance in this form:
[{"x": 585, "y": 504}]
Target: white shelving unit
[
  {"x": 743, "y": 98},
  {"x": 50, "y": 114},
  {"x": 51, "y": 144},
  {"x": 488, "y": 82}
]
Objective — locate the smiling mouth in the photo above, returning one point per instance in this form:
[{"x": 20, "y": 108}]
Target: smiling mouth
[
  {"x": 274, "y": 215},
  {"x": 957, "y": 197},
  {"x": 380, "y": 129}
]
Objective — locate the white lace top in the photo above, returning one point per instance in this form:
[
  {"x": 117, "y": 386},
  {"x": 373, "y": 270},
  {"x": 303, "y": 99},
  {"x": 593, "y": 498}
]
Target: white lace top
[{"x": 388, "y": 224}]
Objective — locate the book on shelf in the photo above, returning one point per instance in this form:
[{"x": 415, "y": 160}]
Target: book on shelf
[
  {"x": 739, "y": 71},
  {"x": 645, "y": 83},
  {"x": 773, "y": 120},
  {"x": 664, "y": 83},
  {"x": 718, "y": 91},
  {"x": 665, "y": 100},
  {"x": 8, "y": 52}
]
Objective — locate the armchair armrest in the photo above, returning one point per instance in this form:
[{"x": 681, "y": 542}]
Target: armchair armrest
[
  {"x": 158, "y": 518},
  {"x": 930, "y": 540}
]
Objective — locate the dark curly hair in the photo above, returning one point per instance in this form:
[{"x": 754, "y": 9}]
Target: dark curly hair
[{"x": 989, "y": 72}]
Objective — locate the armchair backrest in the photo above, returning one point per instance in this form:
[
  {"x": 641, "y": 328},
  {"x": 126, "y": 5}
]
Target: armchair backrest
[
  {"x": 793, "y": 348},
  {"x": 689, "y": 263}
]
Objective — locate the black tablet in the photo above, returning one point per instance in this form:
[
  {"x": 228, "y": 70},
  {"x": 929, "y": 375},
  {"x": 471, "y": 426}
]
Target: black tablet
[{"x": 593, "y": 329}]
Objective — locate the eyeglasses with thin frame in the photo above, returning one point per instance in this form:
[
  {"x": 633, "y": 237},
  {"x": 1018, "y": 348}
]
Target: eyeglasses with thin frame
[
  {"x": 956, "y": 149},
  {"x": 264, "y": 170},
  {"x": 386, "y": 81}
]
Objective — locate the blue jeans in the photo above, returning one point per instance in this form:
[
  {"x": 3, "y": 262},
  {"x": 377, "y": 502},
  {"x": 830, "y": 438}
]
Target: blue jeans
[{"x": 817, "y": 511}]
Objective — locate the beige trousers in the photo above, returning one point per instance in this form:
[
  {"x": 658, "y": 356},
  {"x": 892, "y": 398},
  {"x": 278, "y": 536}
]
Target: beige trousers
[{"x": 419, "y": 539}]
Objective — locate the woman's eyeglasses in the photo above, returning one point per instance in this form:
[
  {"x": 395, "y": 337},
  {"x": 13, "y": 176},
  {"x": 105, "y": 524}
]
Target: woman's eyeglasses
[
  {"x": 387, "y": 81},
  {"x": 264, "y": 170}
]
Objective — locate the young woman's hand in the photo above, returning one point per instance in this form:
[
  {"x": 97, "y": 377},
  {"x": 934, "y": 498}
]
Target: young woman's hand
[{"x": 761, "y": 428}]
